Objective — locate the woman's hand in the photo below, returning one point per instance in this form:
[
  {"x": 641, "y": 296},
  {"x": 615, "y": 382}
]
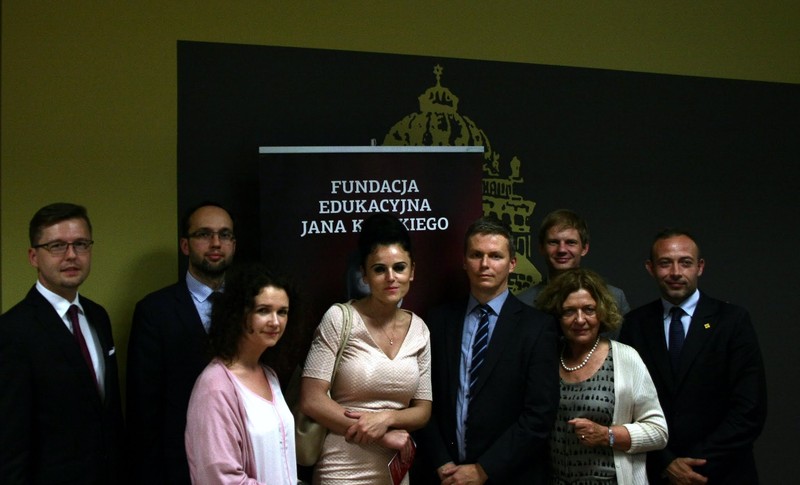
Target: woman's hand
[
  {"x": 590, "y": 433},
  {"x": 369, "y": 428}
]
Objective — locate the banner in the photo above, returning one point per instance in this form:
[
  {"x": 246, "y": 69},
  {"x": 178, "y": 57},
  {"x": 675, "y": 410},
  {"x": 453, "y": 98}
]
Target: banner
[{"x": 314, "y": 199}]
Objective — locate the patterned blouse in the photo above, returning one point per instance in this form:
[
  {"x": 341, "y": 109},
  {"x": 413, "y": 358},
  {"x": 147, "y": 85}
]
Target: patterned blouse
[{"x": 571, "y": 462}]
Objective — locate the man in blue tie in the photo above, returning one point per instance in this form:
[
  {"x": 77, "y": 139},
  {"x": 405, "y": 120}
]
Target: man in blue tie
[
  {"x": 704, "y": 358},
  {"x": 494, "y": 376}
]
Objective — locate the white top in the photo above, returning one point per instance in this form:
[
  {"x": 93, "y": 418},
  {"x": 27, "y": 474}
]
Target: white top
[{"x": 268, "y": 423}]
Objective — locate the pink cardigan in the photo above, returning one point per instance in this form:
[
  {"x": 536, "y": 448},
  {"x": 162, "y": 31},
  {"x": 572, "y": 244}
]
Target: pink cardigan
[{"x": 217, "y": 443}]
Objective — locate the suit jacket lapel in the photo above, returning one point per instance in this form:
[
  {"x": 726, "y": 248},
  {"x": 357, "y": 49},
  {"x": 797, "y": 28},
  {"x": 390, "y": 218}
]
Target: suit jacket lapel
[
  {"x": 504, "y": 332},
  {"x": 187, "y": 312},
  {"x": 56, "y": 334},
  {"x": 657, "y": 342},
  {"x": 701, "y": 329},
  {"x": 96, "y": 319}
]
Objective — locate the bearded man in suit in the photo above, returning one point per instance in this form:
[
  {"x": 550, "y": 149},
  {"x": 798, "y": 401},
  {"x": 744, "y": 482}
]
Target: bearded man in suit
[
  {"x": 168, "y": 348},
  {"x": 705, "y": 361},
  {"x": 60, "y": 406}
]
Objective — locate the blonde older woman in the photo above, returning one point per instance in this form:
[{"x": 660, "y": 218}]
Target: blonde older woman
[{"x": 609, "y": 415}]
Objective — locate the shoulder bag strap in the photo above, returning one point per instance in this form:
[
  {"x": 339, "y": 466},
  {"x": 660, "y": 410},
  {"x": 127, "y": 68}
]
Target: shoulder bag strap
[{"x": 347, "y": 313}]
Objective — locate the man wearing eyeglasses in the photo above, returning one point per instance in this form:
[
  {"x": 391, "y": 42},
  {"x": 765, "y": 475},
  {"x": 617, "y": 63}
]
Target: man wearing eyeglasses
[
  {"x": 168, "y": 344},
  {"x": 61, "y": 418}
]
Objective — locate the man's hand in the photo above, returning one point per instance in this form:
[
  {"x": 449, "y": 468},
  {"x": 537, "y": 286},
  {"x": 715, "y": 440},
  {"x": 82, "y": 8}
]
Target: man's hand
[
  {"x": 451, "y": 474},
  {"x": 680, "y": 471}
]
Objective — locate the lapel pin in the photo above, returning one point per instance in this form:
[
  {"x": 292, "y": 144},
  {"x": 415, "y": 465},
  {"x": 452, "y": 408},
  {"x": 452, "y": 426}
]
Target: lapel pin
[{"x": 707, "y": 326}]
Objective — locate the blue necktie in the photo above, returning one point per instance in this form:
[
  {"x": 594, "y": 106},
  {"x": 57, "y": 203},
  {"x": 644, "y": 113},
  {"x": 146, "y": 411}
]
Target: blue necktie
[
  {"x": 676, "y": 337},
  {"x": 479, "y": 346}
]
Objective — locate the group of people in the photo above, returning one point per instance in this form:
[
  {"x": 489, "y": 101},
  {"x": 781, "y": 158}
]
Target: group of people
[{"x": 561, "y": 384}]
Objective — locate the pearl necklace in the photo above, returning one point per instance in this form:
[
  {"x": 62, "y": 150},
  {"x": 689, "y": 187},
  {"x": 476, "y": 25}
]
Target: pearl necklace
[{"x": 585, "y": 361}]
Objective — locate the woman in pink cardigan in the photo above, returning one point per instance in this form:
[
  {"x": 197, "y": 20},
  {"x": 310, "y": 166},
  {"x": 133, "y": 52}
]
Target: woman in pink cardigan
[{"x": 239, "y": 429}]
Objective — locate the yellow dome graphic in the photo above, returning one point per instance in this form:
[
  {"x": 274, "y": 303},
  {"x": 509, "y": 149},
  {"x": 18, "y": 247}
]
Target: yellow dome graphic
[{"x": 438, "y": 123}]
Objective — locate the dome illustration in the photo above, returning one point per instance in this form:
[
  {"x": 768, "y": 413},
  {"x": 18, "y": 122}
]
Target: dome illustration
[{"x": 438, "y": 123}]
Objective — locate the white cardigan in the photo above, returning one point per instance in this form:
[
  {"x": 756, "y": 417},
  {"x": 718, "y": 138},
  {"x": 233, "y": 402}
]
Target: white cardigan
[{"x": 637, "y": 408}]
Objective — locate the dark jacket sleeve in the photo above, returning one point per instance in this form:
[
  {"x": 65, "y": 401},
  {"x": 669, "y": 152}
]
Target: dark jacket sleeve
[
  {"x": 145, "y": 381},
  {"x": 16, "y": 404}
]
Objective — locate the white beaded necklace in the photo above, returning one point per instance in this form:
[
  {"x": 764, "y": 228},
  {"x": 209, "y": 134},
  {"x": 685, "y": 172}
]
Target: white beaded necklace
[{"x": 585, "y": 361}]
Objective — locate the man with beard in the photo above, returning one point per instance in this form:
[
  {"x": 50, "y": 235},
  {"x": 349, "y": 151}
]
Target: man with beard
[{"x": 168, "y": 348}]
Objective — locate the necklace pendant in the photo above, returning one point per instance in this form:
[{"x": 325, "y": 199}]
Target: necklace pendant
[{"x": 391, "y": 342}]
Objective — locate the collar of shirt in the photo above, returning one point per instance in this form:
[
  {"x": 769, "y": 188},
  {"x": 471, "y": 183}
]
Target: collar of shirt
[
  {"x": 688, "y": 306},
  {"x": 199, "y": 291},
  {"x": 496, "y": 305},
  {"x": 59, "y": 303}
]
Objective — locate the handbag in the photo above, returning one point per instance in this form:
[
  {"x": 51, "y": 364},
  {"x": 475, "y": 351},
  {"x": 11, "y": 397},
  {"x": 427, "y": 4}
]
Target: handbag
[{"x": 308, "y": 434}]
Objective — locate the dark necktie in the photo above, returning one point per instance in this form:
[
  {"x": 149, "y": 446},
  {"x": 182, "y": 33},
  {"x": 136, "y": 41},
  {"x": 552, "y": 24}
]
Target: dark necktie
[
  {"x": 479, "y": 346},
  {"x": 676, "y": 337},
  {"x": 212, "y": 298},
  {"x": 76, "y": 332}
]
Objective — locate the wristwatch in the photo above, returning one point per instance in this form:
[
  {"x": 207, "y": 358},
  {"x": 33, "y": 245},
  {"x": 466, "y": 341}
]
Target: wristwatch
[{"x": 610, "y": 437}]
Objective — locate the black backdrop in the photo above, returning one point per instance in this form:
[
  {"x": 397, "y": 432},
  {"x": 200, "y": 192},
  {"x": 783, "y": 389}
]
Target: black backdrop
[{"x": 631, "y": 152}]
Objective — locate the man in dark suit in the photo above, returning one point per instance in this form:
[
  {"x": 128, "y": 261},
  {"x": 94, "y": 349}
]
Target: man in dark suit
[
  {"x": 493, "y": 406},
  {"x": 168, "y": 348},
  {"x": 59, "y": 391},
  {"x": 704, "y": 358}
]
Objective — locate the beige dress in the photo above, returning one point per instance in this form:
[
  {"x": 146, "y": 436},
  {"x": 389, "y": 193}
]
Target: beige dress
[{"x": 367, "y": 380}]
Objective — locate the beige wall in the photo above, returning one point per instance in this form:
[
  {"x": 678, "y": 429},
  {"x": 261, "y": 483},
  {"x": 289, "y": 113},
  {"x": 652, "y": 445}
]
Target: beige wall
[{"x": 89, "y": 93}]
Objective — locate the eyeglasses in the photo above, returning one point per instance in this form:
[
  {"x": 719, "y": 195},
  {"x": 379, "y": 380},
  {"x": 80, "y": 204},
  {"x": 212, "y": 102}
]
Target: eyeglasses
[
  {"x": 588, "y": 311},
  {"x": 81, "y": 246},
  {"x": 224, "y": 235}
]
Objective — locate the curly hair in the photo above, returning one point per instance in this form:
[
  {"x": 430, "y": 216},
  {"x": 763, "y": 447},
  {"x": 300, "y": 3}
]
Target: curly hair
[
  {"x": 230, "y": 309},
  {"x": 552, "y": 298}
]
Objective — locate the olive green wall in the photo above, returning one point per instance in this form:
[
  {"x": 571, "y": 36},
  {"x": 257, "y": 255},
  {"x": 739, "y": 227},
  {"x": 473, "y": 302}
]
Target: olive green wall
[{"x": 89, "y": 93}]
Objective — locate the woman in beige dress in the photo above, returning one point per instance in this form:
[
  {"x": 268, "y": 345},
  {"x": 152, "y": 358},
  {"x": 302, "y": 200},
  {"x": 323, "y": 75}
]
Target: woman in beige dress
[{"x": 382, "y": 388}]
